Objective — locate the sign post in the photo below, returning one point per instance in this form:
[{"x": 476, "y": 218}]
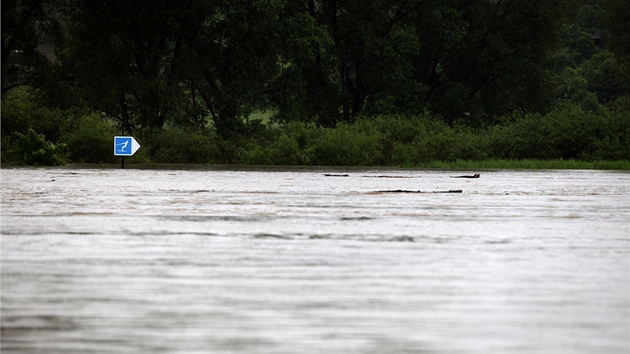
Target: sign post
[{"x": 125, "y": 146}]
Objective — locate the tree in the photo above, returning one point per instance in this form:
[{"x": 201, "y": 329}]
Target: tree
[
  {"x": 24, "y": 24},
  {"x": 125, "y": 55},
  {"x": 482, "y": 59},
  {"x": 349, "y": 57},
  {"x": 588, "y": 73},
  {"x": 470, "y": 60},
  {"x": 233, "y": 57},
  {"x": 376, "y": 45},
  {"x": 149, "y": 63},
  {"x": 617, "y": 20}
]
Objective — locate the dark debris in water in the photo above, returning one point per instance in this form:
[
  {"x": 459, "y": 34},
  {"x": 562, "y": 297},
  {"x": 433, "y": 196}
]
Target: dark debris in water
[
  {"x": 356, "y": 218},
  {"x": 272, "y": 236},
  {"x": 361, "y": 238},
  {"x": 414, "y": 191},
  {"x": 476, "y": 175}
]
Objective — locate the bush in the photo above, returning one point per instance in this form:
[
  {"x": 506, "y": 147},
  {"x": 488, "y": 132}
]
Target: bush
[
  {"x": 21, "y": 112},
  {"x": 181, "y": 146},
  {"x": 615, "y": 142},
  {"x": 572, "y": 132},
  {"x": 90, "y": 140},
  {"x": 568, "y": 133},
  {"x": 347, "y": 145},
  {"x": 402, "y": 139},
  {"x": 565, "y": 133},
  {"x": 290, "y": 145},
  {"x": 31, "y": 149},
  {"x": 285, "y": 150}
]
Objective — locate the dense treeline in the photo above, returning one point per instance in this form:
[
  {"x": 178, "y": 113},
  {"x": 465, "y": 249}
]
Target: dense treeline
[{"x": 382, "y": 82}]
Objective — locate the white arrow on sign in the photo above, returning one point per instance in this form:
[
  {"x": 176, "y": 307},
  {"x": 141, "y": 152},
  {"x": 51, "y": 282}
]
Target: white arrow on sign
[{"x": 125, "y": 146}]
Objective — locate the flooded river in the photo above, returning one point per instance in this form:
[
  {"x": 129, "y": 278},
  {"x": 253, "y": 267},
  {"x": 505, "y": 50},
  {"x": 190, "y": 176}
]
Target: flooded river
[{"x": 244, "y": 260}]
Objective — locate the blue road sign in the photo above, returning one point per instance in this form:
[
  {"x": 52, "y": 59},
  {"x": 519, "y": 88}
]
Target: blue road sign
[{"x": 125, "y": 146}]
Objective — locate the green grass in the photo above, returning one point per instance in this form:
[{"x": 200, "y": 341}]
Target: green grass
[
  {"x": 530, "y": 164},
  {"x": 263, "y": 116}
]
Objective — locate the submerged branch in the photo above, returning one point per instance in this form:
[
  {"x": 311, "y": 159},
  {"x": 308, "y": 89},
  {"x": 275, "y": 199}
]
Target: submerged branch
[{"x": 411, "y": 191}]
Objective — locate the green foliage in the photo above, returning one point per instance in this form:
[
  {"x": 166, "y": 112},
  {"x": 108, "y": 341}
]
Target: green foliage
[
  {"x": 180, "y": 146},
  {"x": 346, "y": 145},
  {"x": 529, "y": 164},
  {"x": 21, "y": 111},
  {"x": 614, "y": 143},
  {"x": 23, "y": 59},
  {"x": 284, "y": 150},
  {"x": 349, "y": 83},
  {"x": 616, "y": 19},
  {"x": 155, "y": 63},
  {"x": 567, "y": 133},
  {"x": 30, "y": 131},
  {"x": 89, "y": 139},
  {"x": 591, "y": 66},
  {"x": 31, "y": 149},
  {"x": 605, "y": 77},
  {"x": 306, "y": 144}
]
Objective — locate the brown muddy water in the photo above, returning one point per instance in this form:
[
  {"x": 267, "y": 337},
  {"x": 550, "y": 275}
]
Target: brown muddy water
[{"x": 245, "y": 260}]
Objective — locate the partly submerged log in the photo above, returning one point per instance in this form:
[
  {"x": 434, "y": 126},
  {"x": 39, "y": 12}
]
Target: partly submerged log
[
  {"x": 476, "y": 175},
  {"x": 336, "y": 175},
  {"x": 412, "y": 191}
]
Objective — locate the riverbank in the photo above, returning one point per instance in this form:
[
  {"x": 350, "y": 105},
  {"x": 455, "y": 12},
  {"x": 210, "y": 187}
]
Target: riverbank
[
  {"x": 529, "y": 164},
  {"x": 468, "y": 165}
]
